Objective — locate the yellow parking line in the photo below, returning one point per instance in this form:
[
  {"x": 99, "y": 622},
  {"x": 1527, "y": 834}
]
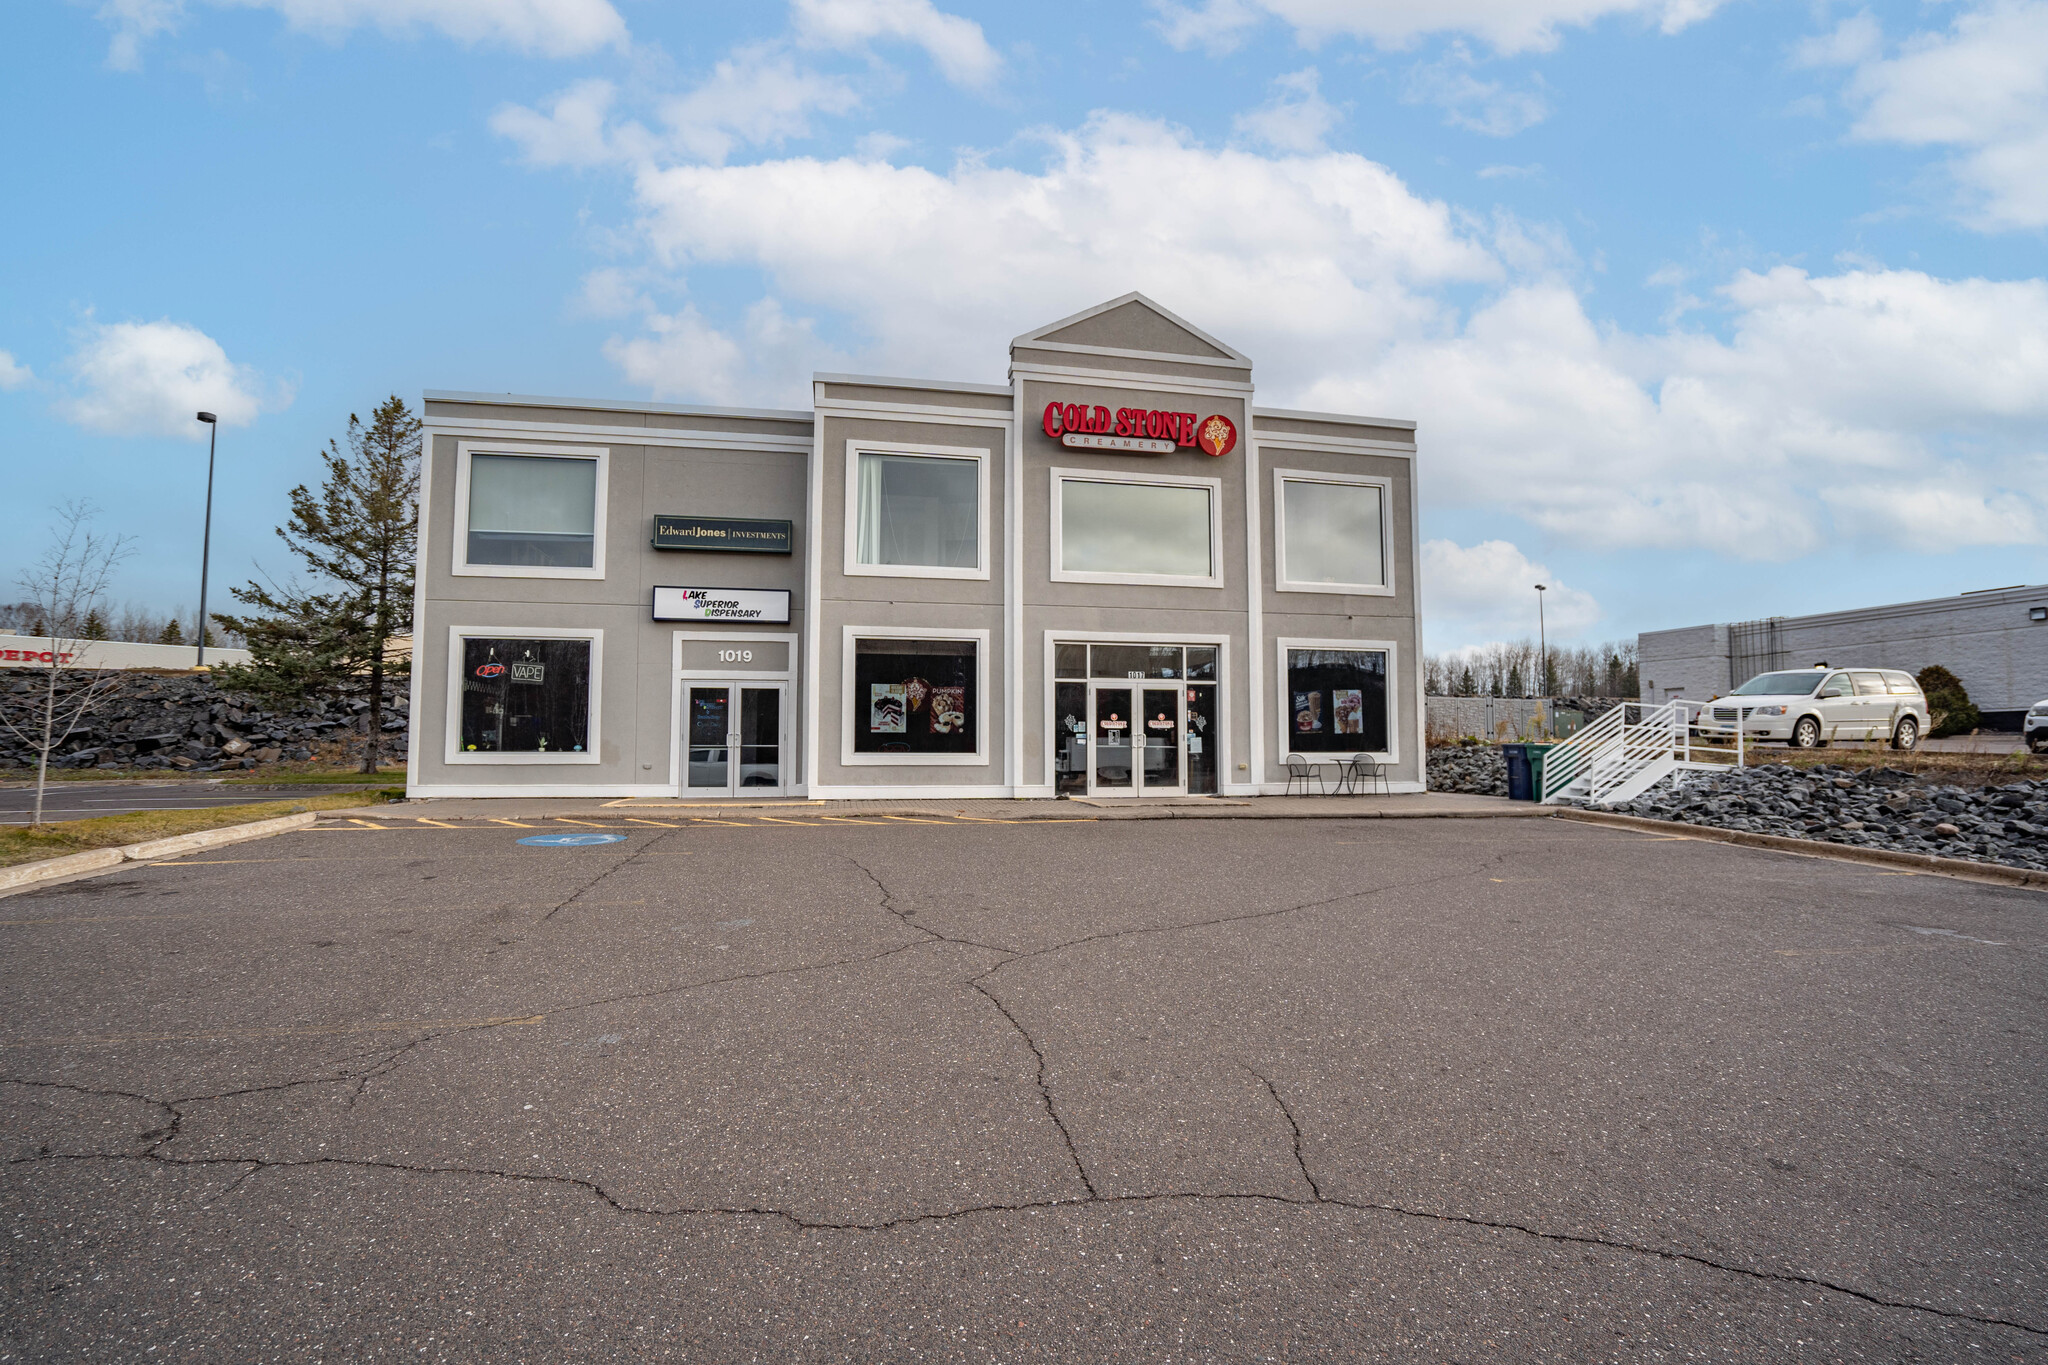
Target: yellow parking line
[
  {"x": 773, "y": 820},
  {"x": 659, "y": 824},
  {"x": 384, "y": 1026},
  {"x": 367, "y": 824},
  {"x": 914, "y": 820},
  {"x": 436, "y": 823},
  {"x": 565, "y": 820},
  {"x": 707, "y": 820},
  {"x": 514, "y": 823}
]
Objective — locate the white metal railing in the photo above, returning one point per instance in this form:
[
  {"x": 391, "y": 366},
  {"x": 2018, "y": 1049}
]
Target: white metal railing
[{"x": 1616, "y": 750}]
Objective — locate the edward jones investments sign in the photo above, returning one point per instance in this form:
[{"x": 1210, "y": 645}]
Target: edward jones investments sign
[
  {"x": 724, "y": 533},
  {"x": 768, "y": 606}
]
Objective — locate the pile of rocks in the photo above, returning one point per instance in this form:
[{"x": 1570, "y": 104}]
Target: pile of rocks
[
  {"x": 184, "y": 722},
  {"x": 1872, "y": 808},
  {"x": 1476, "y": 768}
]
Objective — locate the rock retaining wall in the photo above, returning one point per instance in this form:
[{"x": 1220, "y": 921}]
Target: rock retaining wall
[{"x": 183, "y": 722}]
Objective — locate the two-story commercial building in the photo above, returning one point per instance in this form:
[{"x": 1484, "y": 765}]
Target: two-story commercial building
[{"x": 1114, "y": 575}]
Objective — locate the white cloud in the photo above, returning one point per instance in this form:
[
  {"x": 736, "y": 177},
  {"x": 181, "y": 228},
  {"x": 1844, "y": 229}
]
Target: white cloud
[
  {"x": 1488, "y": 591},
  {"x": 1470, "y": 103},
  {"x": 551, "y": 28},
  {"x": 956, "y": 46},
  {"x": 756, "y": 96},
  {"x": 149, "y": 378},
  {"x": 1504, "y": 25},
  {"x": 1981, "y": 87},
  {"x": 1296, "y": 119},
  {"x": 1885, "y": 405},
  {"x": 686, "y": 357},
  {"x": 13, "y": 374}
]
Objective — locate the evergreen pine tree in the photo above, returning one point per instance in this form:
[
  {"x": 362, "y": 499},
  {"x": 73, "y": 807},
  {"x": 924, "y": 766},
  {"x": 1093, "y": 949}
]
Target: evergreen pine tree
[
  {"x": 172, "y": 634},
  {"x": 95, "y": 627},
  {"x": 356, "y": 536},
  {"x": 1466, "y": 686}
]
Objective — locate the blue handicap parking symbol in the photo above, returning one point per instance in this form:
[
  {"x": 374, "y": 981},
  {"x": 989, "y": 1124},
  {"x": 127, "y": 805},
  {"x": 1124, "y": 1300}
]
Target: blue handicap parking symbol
[{"x": 572, "y": 840}]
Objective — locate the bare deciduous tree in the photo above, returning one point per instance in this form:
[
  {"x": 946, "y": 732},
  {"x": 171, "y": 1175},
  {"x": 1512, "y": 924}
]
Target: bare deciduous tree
[{"x": 66, "y": 586}]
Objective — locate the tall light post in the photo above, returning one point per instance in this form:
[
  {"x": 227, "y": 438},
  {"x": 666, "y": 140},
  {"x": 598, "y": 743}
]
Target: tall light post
[
  {"x": 206, "y": 537},
  {"x": 1542, "y": 646}
]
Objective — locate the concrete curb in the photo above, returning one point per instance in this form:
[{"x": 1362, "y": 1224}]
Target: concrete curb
[
  {"x": 51, "y": 869},
  {"x": 1995, "y": 873},
  {"x": 23, "y": 875},
  {"x": 179, "y": 844}
]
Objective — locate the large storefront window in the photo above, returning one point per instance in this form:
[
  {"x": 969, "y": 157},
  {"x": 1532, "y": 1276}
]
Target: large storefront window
[
  {"x": 915, "y": 697},
  {"x": 1337, "y": 701},
  {"x": 525, "y": 696},
  {"x": 536, "y": 511},
  {"x": 1332, "y": 534},
  {"x": 1118, "y": 531},
  {"x": 919, "y": 511}
]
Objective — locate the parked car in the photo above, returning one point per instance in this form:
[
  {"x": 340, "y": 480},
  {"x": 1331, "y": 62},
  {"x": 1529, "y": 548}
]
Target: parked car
[
  {"x": 2037, "y": 727},
  {"x": 1810, "y": 707}
]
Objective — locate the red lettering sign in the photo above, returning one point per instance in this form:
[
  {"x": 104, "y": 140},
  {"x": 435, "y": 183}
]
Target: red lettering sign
[{"x": 490, "y": 670}]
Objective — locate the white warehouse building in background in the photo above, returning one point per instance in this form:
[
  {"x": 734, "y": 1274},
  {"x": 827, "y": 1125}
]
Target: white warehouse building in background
[{"x": 1995, "y": 641}]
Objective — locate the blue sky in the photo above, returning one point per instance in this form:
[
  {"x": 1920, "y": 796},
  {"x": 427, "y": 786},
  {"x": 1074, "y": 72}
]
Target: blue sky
[{"x": 1707, "y": 311}]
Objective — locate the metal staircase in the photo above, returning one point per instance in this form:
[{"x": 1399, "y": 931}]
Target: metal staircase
[{"x": 1625, "y": 753}]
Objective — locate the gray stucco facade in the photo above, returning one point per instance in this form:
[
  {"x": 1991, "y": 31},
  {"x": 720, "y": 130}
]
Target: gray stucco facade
[
  {"x": 1995, "y": 641},
  {"x": 1240, "y": 663}
]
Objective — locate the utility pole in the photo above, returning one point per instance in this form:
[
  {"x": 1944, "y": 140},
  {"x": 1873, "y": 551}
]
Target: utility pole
[
  {"x": 206, "y": 537},
  {"x": 1542, "y": 646}
]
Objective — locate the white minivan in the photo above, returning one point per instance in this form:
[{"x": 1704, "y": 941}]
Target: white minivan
[{"x": 1815, "y": 706}]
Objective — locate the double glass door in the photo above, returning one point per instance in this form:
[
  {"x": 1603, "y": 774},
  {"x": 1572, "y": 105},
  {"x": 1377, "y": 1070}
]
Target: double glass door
[
  {"x": 1137, "y": 739},
  {"x": 732, "y": 739}
]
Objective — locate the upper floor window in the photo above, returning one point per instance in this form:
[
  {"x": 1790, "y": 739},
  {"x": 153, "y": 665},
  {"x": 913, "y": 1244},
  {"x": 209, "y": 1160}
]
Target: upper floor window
[
  {"x": 1135, "y": 529},
  {"x": 1332, "y": 532},
  {"x": 916, "y": 513},
  {"x": 530, "y": 513}
]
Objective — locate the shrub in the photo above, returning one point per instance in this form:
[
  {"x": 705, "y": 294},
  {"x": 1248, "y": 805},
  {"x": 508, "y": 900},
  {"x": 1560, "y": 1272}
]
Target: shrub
[{"x": 1948, "y": 705}]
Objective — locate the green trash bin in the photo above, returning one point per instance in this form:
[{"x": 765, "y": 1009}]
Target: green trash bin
[{"x": 1536, "y": 752}]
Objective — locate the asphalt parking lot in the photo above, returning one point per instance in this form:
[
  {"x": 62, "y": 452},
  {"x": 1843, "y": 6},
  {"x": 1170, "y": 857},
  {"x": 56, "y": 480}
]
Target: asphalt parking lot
[{"x": 1415, "y": 1090}]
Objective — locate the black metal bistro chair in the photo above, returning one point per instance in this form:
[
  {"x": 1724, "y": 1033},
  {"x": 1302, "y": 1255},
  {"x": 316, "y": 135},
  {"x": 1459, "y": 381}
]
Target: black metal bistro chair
[
  {"x": 1301, "y": 770},
  {"x": 1362, "y": 769}
]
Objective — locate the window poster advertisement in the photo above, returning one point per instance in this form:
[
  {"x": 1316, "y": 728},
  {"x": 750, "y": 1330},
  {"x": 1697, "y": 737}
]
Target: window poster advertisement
[
  {"x": 888, "y": 709},
  {"x": 946, "y": 712},
  {"x": 1348, "y": 705},
  {"x": 1308, "y": 713}
]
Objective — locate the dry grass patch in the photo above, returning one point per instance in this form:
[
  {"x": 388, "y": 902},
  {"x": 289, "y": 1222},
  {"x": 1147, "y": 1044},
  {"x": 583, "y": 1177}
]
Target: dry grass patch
[{"x": 27, "y": 844}]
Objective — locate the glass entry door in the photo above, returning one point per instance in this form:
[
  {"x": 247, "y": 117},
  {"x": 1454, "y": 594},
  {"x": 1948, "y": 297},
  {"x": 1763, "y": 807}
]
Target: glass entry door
[
  {"x": 732, "y": 739},
  {"x": 1137, "y": 740}
]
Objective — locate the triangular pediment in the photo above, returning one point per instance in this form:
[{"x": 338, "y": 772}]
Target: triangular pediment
[{"x": 1132, "y": 326}]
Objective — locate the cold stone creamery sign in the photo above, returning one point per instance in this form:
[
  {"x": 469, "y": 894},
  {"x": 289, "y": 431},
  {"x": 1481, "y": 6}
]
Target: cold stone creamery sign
[
  {"x": 724, "y": 533},
  {"x": 759, "y": 605},
  {"x": 1079, "y": 426}
]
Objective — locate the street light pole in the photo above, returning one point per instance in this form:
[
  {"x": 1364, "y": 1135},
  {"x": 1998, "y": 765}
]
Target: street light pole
[
  {"x": 206, "y": 537},
  {"x": 1542, "y": 645}
]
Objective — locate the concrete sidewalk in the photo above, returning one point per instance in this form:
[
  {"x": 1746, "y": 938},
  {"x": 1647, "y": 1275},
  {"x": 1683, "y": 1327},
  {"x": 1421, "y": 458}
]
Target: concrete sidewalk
[{"x": 1415, "y": 806}]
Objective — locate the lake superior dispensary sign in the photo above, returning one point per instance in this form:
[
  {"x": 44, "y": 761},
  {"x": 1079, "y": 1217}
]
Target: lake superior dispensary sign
[
  {"x": 744, "y": 534},
  {"x": 760, "y": 606}
]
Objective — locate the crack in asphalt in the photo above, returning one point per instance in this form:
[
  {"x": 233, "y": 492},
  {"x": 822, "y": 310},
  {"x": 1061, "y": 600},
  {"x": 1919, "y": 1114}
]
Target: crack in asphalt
[
  {"x": 1052, "y": 1109},
  {"x": 889, "y": 904},
  {"x": 914, "y": 1220},
  {"x": 621, "y": 863},
  {"x": 1315, "y": 1189}
]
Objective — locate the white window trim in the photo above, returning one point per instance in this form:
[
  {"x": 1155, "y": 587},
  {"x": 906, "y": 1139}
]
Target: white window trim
[
  {"x": 848, "y": 758},
  {"x": 1281, "y": 582},
  {"x": 1284, "y": 701},
  {"x": 592, "y": 752},
  {"x": 979, "y": 454},
  {"x": 1215, "y": 487},
  {"x": 461, "y": 566}
]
